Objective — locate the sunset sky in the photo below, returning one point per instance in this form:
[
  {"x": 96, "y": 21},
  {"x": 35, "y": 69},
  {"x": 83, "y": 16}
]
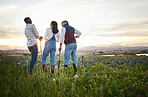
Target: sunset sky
[{"x": 102, "y": 22}]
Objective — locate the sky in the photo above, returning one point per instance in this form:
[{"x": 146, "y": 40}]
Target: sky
[{"x": 101, "y": 22}]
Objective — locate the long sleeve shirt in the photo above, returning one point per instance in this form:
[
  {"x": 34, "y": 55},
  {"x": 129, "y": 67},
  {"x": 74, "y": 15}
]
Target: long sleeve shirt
[
  {"x": 49, "y": 34},
  {"x": 31, "y": 34},
  {"x": 63, "y": 31}
]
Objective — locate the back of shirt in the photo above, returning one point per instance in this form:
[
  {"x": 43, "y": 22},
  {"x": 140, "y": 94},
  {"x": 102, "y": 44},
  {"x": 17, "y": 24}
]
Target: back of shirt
[
  {"x": 49, "y": 35},
  {"x": 31, "y": 34}
]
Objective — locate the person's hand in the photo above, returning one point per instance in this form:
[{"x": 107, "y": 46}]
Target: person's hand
[
  {"x": 60, "y": 49},
  {"x": 76, "y": 36},
  {"x": 40, "y": 38}
]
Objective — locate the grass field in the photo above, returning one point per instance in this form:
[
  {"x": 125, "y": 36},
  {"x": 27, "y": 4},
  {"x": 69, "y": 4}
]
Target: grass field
[{"x": 97, "y": 76}]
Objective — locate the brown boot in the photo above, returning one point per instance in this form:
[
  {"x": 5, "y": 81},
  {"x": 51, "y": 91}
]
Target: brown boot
[
  {"x": 75, "y": 68},
  {"x": 44, "y": 68},
  {"x": 52, "y": 69}
]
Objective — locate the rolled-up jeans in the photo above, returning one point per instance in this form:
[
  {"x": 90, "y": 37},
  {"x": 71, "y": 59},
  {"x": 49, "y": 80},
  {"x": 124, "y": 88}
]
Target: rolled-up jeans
[
  {"x": 49, "y": 48},
  {"x": 70, "y": 50},
  {"x": 34, "y": 52}
]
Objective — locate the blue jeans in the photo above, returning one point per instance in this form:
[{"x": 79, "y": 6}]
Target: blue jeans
[
  {"x": 34, "y": 53},
  {"x": 70, "y": 50},
  {"x": 49, "y": 48}
]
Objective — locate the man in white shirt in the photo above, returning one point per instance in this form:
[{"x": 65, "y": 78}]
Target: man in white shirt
[
  {"x": 68, "y": 37},
  {"x": 32, "y": 35}
]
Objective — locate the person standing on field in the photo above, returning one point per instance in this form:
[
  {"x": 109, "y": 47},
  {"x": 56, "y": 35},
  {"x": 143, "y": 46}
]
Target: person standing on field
[
  {"x": 51, "y": 36},
  {"x": 68, "y": 37},
  {"x": 32, "y": 35}
]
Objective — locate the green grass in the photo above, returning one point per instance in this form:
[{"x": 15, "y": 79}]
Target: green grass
[{"x": 98, "y": 80}]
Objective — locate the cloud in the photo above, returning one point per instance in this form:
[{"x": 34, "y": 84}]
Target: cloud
[
  {"x": 134, "y": 28},
  {"x": 20, "y": 2},
  {"x": 106, "y": 18},
  {"x": 8, "y": 31},
  {"x": 137, "y": 42},
  {"x": 5, "y": 8},
  {"x": 134, "y": 25},
  {"x": 127, "y": 34}
]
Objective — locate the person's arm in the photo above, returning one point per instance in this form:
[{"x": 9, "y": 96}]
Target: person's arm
[
  {"x": 46, "y": 34},
  {"x": 63, "y": 31},
  {"x": 78, "y": 33},
  {"x": 35, "y": 31}
]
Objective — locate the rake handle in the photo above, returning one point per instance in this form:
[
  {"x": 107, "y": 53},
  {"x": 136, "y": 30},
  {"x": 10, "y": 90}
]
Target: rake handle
[
  {"x": 59, "y": 59},
  {"x": 41, "y": 49}
]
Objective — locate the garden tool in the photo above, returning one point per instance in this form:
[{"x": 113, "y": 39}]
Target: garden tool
[{"x": 59, "y": 61}]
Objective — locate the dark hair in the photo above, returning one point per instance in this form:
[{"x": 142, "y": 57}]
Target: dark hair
[
  {"x": 27, "y": 20},
  {"x": 65, "y": 21},
  {"x": 55, "y": 27}
]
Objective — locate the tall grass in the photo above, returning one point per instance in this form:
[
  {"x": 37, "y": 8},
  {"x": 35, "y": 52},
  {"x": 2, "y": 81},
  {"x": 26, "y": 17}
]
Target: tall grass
[{"x": 93, "y": 81}]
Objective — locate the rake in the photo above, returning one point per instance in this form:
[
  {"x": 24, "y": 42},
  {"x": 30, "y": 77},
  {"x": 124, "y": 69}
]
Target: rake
[
  {"x": 41, "y": 51},
  {"x": 59, "y": 62}
]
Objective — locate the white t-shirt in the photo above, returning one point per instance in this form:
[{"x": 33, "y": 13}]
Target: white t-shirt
[{"x": 49, "y": 34}]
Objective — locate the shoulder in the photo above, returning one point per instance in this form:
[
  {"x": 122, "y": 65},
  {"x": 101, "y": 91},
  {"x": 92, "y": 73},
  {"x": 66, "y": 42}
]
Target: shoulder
[
  {"x": 69, "y": 27},
  {"x": 30, "y": 25},
  {"x": 48, "y": 29},
  {"x": 63, "y": 28},
  {"x": 72, "y": 27}
]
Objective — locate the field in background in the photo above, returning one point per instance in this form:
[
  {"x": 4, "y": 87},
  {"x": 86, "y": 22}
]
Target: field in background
[{"x": 98, "y": 76}]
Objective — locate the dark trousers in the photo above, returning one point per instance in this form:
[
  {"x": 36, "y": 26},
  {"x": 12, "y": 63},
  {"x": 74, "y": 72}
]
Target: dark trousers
[{"x": 34, "y": 53}]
